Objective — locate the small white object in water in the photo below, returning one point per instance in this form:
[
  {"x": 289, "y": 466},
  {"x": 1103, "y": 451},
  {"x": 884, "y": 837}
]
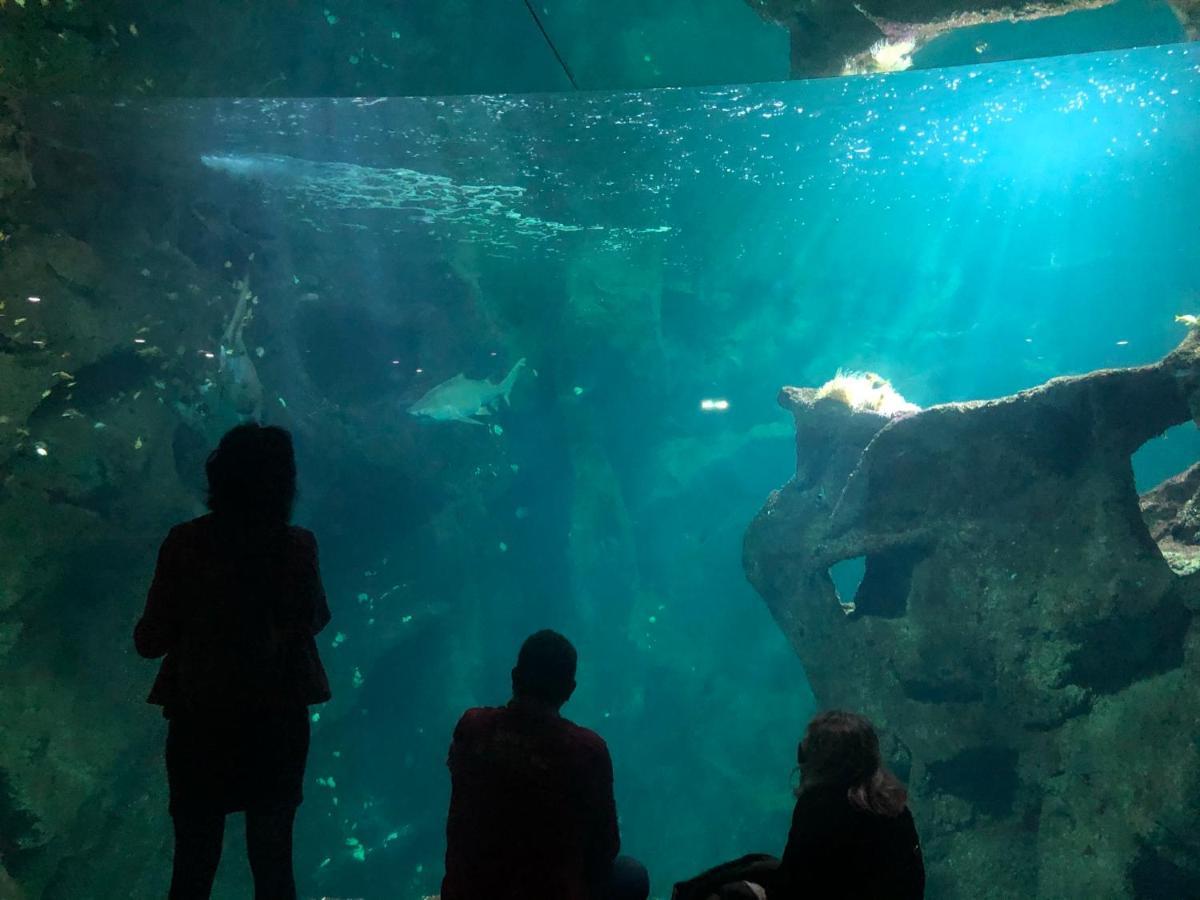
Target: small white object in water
[
  {"x": 40, "y": 449},
  {"x": 578, "y": 391},
  {"x": 503, "y": 547},
  {"x": 35, "y": 299},
  {"x": 1122, "y": 343},
  {"x": 137, "y": 445},
  {"x": 260, "y": 352},
  {"x": 497, "y": 430},
  {"x": 709, "y": 405}
]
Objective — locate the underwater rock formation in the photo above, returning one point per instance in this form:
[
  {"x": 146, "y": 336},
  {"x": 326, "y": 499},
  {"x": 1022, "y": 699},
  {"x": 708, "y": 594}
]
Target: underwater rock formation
[
  {"x": 1018, "y": 634},
  {"x": 829, "y": 37},
  {"x": 1188, "y": 13}
]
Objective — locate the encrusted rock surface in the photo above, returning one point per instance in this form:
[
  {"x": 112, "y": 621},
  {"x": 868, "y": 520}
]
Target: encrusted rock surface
[
  {"x": 831, "y": 37},
  {"x": 1018, "y": 635}
]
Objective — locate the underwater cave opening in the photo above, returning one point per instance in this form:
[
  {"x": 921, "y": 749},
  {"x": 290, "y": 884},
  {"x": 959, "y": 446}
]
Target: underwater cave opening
[
  {"x": 1165, "y": 456},
  {"x": 847, "y": 577},
  {"x": 877, "y": 584}
]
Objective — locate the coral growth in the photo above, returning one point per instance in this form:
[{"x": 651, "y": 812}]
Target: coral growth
[
  {"x": 865, "y": 392},
  {"x": 1017, "y": 630}
]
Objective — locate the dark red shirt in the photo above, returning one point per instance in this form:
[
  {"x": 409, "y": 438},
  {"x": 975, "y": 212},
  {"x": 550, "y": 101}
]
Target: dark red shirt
[{"x": 532, "y": 814}]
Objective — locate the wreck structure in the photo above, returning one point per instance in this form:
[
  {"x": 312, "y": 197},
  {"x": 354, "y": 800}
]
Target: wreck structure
[{"x": 1028, "y": 647}]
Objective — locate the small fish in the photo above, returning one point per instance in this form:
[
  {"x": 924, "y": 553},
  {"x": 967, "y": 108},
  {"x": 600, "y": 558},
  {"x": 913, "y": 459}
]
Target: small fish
[{"x": 460, "y": 398}]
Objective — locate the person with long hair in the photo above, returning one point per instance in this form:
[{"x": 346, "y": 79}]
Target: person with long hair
[
  {"x": 852, "y": 834},
  {"x": 233, "y": 610}
]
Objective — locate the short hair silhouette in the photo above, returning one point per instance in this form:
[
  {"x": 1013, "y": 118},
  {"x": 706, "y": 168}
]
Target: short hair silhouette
[
  {"x": 252, "y": 474},
  {"x": 545, "y": 668}
]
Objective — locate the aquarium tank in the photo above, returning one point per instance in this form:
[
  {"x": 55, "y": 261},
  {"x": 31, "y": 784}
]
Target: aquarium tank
[{"x": 783, "y": 357}]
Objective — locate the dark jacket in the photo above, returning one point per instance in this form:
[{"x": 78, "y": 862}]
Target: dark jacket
[
  {"x": 836, "y": 850},
  {"x": 532, "y": 815},
  {"x": 235, "y": 616}
]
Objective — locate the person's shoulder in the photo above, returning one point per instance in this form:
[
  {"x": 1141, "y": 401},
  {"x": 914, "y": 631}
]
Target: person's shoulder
[
  {"x": 824, "y": 802},
  {"x": 302, "y": 536},
  {"x": 478, "y": 719},
  {"x": 191, "y": 531},
  {"x": 586, "y": 738}
]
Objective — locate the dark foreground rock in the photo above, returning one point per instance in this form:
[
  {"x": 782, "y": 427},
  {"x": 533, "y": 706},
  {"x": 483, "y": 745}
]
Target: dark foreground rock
[
  {"x": 15, "y": 173},
  {"x": 1018, "y": 634}
]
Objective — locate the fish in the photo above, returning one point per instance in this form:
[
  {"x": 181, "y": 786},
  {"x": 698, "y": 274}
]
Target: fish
[{"x": 460, "y": 398}]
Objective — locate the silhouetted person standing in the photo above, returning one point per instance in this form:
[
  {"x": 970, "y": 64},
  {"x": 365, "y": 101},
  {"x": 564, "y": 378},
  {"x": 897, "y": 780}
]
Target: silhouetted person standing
[
  {"x": 235, "y": 604},
  {"x": 532, "y": 814}
]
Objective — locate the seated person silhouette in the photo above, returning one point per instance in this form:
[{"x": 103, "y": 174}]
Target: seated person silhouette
[
  {"x": 852, "y": 835},
  {"x": 234, "y": 606},
  {"x": 532, "y": 814}
]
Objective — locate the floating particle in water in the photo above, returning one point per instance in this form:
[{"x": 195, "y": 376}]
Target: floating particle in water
[
  {"x": 503, "y": 547},
  {"x": 358, "y": 677},
  {"x": 260, "y": 352},
  {"x": 316, "y": 717},
  {"x": 1122, "y": 343},
  {"x": 363, "y": 598},
  {"x": 339, "y": 639},
  {"x": 522, "y": 512},
  {"x": 577, "y": 390},
  {"x": 35, "y": 299},
  {"x": 40, "y": 449},
  {"x": 497, "y": 430},
  {"x": 406, "y": 619},
  {"x": 137, "y": 445},
  {"x": 652, "y": 620},
  {"x": 714, "y": 405}
]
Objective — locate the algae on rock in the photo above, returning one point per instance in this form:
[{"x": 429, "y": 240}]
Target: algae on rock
[{"x": 1017, "y": 633}]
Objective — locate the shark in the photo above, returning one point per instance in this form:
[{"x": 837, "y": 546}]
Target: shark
[{"x": 460, "y": 398}]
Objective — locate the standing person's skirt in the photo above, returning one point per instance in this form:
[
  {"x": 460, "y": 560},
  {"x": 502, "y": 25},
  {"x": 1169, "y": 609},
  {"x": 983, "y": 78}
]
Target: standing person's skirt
[{"x": 230, "y": 761}]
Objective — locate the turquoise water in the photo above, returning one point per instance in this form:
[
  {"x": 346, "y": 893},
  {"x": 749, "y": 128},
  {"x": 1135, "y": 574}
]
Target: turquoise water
[{"x": 966, "y": 232}]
